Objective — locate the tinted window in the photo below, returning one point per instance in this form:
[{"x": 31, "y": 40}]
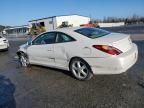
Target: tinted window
[
  {"x": 47, "y": 38},
  {"x": 61, "y": 37},
  {"x": 0, "y": 37},
  {"x": 92, "y": 32}
]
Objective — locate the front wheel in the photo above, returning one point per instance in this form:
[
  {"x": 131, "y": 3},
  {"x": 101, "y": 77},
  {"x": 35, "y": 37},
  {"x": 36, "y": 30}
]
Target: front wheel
[
  {"x": 24, "y": 60},
  {"x": 80, "y": 69}
]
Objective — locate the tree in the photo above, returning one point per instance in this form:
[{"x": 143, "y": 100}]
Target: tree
[
  {"x": 36, "y": 29},
  {"x": 2, "y": 28}
]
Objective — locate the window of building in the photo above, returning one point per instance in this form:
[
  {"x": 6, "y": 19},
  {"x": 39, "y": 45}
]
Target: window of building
[
  {"x": 42, "y": 24},
  {"x": 50, "y": 22}
]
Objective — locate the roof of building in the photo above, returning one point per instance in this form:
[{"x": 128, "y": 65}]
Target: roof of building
[
  {"x": 55, "y": 16},
  {"x": 14, "y": 27}
]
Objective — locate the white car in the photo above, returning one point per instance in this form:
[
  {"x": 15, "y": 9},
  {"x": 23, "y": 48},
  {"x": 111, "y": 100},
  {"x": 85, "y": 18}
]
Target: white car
[
  {"x": 84, "y": 51},
  {"x": 4, "y": 44}
]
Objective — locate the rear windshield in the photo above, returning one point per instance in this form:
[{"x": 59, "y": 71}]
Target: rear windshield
[{"x": 92, "y": 32}]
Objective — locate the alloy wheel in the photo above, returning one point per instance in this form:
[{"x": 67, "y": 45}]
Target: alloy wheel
[
  {"x": 80, "y": 69},
  {"x": 23, "y": 61}
]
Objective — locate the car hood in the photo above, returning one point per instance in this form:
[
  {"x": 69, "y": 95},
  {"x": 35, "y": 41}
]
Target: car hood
[
  {"x": 24, "y": 45},
  {"x": 2, "y": 38}
]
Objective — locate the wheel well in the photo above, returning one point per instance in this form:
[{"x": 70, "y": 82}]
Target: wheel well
[
  {"x": 21, "y": 52},
  {"x": 81, "y": 59}
]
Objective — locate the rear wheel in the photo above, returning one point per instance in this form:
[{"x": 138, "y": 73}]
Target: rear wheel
[{"x": 80, "y": 69}]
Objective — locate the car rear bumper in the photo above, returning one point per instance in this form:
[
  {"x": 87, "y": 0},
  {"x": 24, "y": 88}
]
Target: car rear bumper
[
  {"x": 4, "y": 46},
  {"x": 115, "y": 64}
]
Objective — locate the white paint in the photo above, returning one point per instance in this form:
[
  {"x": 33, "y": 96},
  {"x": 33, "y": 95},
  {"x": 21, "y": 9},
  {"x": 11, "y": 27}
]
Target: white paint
[
  {"x": 48, "y": 25},
  {"x": 74, "y": 20},
  {"x": 58, "y": 55},
  {"x": 4, "y": 44}
]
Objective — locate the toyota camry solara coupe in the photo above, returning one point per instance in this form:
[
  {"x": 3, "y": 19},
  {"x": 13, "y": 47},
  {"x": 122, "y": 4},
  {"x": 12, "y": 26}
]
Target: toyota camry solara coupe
[{"x": 84, "y": 51}]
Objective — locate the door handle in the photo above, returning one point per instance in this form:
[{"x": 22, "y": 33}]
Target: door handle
[
  {"x": 51, "y": 58},
  {"x": 49, "y": 50}
]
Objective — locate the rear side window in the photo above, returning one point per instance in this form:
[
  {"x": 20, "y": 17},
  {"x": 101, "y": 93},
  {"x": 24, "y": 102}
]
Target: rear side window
[
  {"x": 61, "y": 37},
  {"x": 0, "y": 36},
  {"x": 92, "y": 32}
]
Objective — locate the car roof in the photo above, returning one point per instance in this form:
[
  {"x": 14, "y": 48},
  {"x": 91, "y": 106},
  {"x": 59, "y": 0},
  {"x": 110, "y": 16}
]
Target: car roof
[{"x": 68, "y": 29}]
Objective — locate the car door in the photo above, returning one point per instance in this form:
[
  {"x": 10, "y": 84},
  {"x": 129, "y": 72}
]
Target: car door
[
  {"x": 63, "y": 43},
  {"x": 41, "y": 51}
]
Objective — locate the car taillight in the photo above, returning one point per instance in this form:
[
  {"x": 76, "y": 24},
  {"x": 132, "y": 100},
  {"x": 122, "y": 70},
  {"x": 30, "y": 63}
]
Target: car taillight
[
  {"x": 5, "y": 41},
  {"x": 108, "y": 49}
]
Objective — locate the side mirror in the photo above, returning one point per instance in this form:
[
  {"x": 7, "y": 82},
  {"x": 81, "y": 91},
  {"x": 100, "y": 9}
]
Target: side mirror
[{"x": 29, "y": 42}]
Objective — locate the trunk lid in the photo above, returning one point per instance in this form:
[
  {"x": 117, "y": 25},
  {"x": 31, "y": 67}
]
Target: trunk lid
[{"x": 117, "y": 40}]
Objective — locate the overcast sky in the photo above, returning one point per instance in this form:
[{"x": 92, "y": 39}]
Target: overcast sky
[{"x": 19, "y": 12}]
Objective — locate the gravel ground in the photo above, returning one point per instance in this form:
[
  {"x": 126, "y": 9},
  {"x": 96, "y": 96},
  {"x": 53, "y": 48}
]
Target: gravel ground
[
  {"x": 130, "y": 29},
  {"x": 136, "y": 31},
  {"x": 41, "y": 87}
]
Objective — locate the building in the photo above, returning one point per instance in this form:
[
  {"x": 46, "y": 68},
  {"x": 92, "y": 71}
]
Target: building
[
  {"x": 54, "y": 22},
  {"x": 16, "y": 30},
  {"x": 48, "y": 23}
]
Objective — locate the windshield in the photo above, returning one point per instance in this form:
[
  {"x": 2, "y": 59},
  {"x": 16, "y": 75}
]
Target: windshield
[{"x": 92, "y": 32}]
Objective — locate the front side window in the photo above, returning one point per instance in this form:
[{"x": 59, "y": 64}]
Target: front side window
[
  {"x": 46, "y": 38},
  {"x": 61, "y": 37},
  {"x": 92, "y": 32}
]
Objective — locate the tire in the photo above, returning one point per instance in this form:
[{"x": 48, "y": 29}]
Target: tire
[
  {"x": 24, "y": 60},
  {"x": 80, "y": 69},
  {"x": 7, "y": 49}
]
